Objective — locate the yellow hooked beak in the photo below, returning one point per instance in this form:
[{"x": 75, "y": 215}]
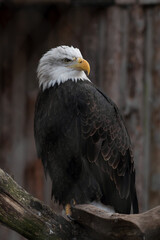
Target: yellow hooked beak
[{"x": 81, "y": 65}]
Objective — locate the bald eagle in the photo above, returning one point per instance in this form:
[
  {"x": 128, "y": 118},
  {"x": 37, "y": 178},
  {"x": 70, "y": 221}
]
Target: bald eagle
[{"x": 81, "y": 137}]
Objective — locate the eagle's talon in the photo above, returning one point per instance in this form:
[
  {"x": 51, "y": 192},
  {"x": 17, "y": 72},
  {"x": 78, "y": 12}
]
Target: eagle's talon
[
  {"x": 70, "y": 218},
  {"x": 68, "y": 210}
]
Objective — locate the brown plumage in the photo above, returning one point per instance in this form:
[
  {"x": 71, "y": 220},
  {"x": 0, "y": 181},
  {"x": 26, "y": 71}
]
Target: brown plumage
[{"x": 84, "y": 145}]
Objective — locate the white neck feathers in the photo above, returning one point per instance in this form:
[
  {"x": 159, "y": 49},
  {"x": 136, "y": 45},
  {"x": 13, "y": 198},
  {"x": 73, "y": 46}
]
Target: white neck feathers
[{"x": 59, "y": 75}]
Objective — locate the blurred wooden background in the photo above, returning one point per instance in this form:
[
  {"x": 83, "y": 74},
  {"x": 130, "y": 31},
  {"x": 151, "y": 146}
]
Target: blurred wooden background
[{"x": 120, "y": 39}]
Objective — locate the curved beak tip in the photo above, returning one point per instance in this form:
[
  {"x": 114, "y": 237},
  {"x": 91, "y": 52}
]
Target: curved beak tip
[
  {"x": 88, "y": 72},
  {"x": 84, "y": 65}
]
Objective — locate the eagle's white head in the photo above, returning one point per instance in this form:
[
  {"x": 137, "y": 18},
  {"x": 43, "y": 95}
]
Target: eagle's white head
[{"x": 60, "y": 64}]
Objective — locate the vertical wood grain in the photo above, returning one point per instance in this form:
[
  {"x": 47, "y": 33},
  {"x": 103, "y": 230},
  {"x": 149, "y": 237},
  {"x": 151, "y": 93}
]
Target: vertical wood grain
[
  {"x": 155, "y": 118},
  {"x": 122, "y": 44},
  {"x": 148, "y": 58},
  {"x": 134, "y": 92}
]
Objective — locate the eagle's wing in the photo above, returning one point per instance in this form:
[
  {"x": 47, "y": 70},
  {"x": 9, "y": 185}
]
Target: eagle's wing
[{"x": 107, "y": 141}]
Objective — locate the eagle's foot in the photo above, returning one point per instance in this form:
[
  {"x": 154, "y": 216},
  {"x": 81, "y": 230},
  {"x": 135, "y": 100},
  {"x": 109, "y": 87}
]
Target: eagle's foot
[{"x": 68, "y": 209}]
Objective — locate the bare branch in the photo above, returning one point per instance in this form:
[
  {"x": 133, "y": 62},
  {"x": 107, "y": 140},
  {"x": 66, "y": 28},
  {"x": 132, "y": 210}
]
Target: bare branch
[
  {"x": 30, "y": 217},
  {"x": 145, "y": 226}
]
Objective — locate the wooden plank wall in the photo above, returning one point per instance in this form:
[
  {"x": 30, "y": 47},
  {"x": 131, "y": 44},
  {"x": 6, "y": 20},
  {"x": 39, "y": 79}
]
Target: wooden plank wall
[{"x": 122, "y": 44}]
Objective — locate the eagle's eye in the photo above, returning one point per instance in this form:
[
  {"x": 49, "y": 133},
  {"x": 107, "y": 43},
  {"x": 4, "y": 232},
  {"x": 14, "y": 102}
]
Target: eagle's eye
[{"x": 67, "y": 60}]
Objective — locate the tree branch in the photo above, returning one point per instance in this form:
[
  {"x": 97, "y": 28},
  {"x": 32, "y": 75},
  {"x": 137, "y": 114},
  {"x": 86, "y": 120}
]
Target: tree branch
[
  {"x": 34, "y": 220},
  {"x": 144, "y": 226},
  {"x": 30, "y": 217}
]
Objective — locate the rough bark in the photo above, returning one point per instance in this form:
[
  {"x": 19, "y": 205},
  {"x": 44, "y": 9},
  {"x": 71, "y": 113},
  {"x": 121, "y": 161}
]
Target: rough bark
[
  {"x": 30, "y": 217},
  {"x": 34, "y": 220},
  {"x": 119, "y": 226}
]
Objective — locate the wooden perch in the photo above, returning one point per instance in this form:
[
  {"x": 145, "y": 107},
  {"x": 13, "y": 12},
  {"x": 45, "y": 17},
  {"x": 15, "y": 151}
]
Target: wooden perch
[
  {"x": 34, "y": 220},
  {"x": 30, "y": 217},
  {"x": 116, "y": 226}
]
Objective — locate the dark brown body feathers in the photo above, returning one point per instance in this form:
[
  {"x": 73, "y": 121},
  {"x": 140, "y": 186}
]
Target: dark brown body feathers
[{"x": 84, "y": 146}]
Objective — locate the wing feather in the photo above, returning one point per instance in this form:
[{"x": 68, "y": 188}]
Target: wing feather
[{"x": 107, "y": 140}]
